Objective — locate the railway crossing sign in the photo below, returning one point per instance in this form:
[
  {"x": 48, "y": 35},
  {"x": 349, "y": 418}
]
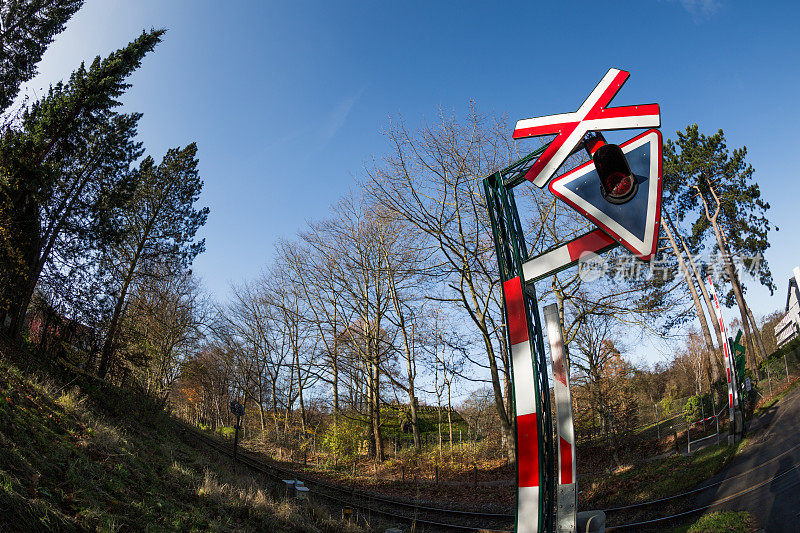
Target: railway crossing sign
[
  {"x": 730, "y": 373},
  {"x": 592, "y": 115},
  {"x": 633, "y": 224},
  {"x": 620, "y": 192}
]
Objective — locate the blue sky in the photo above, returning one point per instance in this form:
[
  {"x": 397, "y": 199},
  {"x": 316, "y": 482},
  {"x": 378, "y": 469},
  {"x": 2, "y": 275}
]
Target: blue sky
[{"x": 286, "y": 100}]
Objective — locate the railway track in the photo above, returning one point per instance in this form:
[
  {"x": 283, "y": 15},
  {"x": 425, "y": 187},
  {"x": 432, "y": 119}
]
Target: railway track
[
  {"x": 425, "y": 518},
  {"x": 431, "y": 519}
]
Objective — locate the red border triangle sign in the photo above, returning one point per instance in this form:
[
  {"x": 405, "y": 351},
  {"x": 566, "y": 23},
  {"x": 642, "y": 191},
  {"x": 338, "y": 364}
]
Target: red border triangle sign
[{"x": 635, "y": 223}]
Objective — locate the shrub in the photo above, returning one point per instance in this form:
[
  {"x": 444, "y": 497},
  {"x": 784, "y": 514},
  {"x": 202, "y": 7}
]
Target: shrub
[
  {"x": 344, "y": 438},
  {"x": 226, "y": 431},
  {"x": 774, "y": 367},
  {"x": 696, "y": 407},
  {"x": 666, "y": 404}
]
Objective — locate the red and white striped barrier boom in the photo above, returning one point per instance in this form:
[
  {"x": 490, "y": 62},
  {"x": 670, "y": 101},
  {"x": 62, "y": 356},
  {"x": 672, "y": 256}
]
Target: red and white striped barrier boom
[
  {"x": 567, "y": 255},
  {"x": 730, "y": 374},
  {"x": 527, "y": 407},
  {"x": 566, "y": 500}
]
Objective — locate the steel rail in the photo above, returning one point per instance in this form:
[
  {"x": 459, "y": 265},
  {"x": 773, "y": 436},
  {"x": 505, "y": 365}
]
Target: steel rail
[
  {"x": 262, "y": 466},
  {"x": 270, "y": 470},
  {"x": 700, "y": 489},
  {"x": 716, "y": 502}
]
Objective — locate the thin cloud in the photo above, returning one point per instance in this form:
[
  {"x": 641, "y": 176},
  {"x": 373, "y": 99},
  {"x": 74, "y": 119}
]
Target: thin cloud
[
  {"x": 339, "y": 115},
  {"x": 701, "y": 9}
]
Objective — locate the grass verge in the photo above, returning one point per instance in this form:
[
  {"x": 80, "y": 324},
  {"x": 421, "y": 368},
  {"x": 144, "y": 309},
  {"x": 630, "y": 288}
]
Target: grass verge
[
  {"x": 772, "y": 401},
  {"x": 656, "y": 479},
  {"x": 722, "y": 521},
  {"x": 88, "y": 456}
]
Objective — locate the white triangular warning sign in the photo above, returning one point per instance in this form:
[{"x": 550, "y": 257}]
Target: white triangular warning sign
[{"x": 635, "y": 223}]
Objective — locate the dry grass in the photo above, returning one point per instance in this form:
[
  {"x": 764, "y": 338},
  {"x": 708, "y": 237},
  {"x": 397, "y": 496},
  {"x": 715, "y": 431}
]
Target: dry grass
[{"x": 86, "y": 456}]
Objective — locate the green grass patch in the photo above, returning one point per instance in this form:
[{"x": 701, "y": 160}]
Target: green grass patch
[
  {"x": 89, "y": 456},
  {"x": 659, "y": 478},
  {"x": 723, "y": 521}
]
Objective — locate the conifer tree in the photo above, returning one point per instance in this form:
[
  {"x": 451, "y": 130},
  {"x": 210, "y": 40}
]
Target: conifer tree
[
  {"x": 159, "y": 226},
  {"x": 33, "y": 156},
  {"x": 714, "y": 190},
  {"x": 27, "y": 27}
]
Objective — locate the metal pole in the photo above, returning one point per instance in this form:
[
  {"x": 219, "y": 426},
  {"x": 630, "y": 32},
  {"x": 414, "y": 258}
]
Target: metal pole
[
  {"x": 688, "y": 440},
  {"x": 658, "y": 422},
  {"x": 769, "y": 379},
  {"x": 236, "y": 437},
  {"x": 703, "y": 412},
  {"x": 566, "y": 499},
  {"x": 787, "y": 368},
  {"x": 530, "y": 387}
]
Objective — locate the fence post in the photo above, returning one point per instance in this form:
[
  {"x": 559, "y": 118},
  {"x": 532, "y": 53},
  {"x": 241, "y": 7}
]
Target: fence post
[
  {"x": 688, "y": 440},
  {"x": 702, "y": 411},
  {"x": 787, "y": 368},
  {"x": 769, "y": 378},
  {"x": 716, "y": 418}
]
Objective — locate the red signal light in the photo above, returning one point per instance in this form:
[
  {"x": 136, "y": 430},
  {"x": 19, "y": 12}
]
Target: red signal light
[{"x": 617, "y": 182}]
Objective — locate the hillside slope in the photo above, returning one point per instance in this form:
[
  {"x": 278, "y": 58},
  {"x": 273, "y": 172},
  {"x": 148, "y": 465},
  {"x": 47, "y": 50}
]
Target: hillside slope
[{"x": 82, "y": 455}]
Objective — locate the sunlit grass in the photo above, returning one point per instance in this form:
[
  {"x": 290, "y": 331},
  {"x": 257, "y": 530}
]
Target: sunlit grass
[
  {"x": 728, "y": 521},
  {"x": 88, "y": 456}
]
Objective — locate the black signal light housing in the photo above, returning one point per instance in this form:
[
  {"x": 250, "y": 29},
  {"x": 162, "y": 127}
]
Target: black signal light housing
[{"x": 617, "y": 183}]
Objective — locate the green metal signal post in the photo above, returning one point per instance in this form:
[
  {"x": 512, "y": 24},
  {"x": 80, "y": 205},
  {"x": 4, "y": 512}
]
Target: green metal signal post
[{"x": 535, "y": 456}]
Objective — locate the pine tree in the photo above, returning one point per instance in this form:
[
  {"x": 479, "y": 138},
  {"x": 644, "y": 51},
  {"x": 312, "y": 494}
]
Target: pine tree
[
  {"x": 33, "y": 155},
  {"x": 160, "y": 225},
  {"x": 27, "y": 27},
  {"x": 80, "y": 217},
  {"x": 714, "y": 189}
]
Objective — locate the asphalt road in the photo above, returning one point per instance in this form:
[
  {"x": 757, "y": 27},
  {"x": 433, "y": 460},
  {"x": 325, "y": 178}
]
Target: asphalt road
[{"x": 776, "y": 503}]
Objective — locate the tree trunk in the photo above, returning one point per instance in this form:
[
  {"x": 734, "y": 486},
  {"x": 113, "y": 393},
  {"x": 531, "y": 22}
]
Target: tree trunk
[
  {"x": 410, "y": 360},
  {"x": 759, "y": 344},
  {"x": 737, "y": 289},
  {"x": 335, "y": 369},
  {"x": 108, "y": 346},
  {"x": 376, "y": 420},
  {"x": 718, "y": 365},
  {"x": 693, "y": 291},
  {"x": 450, "y": 415},
  {"x": 757, "y": 334},
  {"x": 737, "y": 292},
  {"x": 506, "y": 424}
]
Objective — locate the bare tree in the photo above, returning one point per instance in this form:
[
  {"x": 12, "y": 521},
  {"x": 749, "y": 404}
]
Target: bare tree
[
  {"x": 163, "y": 326},
  {"x": 432, "y": 179}
]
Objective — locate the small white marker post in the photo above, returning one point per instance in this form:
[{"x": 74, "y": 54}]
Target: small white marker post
[{"x": 566, "y": 507}]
